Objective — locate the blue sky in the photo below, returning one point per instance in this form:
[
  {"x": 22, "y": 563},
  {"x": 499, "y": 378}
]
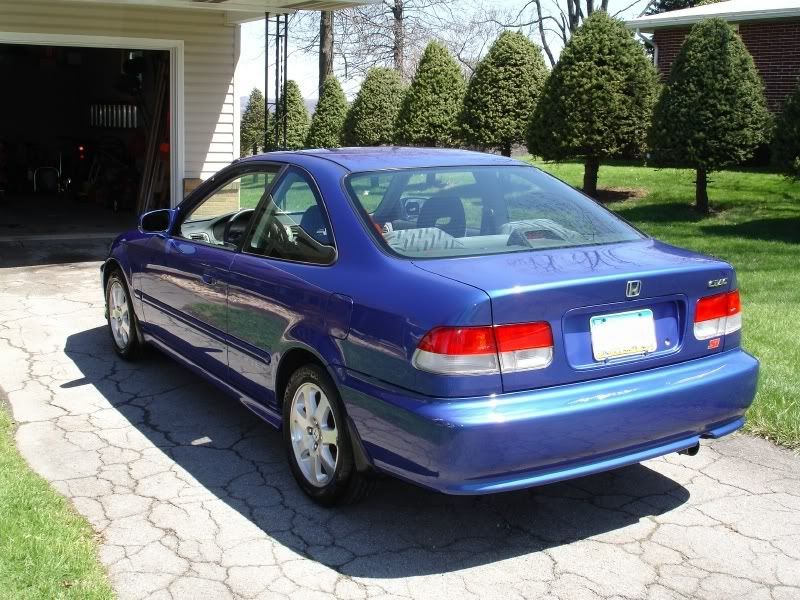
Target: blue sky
[{"x": 303, "y": 67}]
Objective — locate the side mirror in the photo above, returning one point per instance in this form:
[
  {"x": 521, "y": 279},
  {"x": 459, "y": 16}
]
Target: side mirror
[{"x": 156, "y": 221}]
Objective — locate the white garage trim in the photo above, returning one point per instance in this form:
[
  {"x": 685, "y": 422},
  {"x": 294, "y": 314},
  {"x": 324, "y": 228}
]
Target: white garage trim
[{"x": 176, "y": 75}]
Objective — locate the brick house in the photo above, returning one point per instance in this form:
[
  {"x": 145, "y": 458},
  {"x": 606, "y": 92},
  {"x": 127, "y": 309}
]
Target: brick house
[{"x": 769, "y": 28}]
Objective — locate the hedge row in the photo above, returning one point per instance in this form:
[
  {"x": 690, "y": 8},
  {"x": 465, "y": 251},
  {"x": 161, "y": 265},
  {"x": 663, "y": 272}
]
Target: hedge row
[{"x": 601, "y": 100}]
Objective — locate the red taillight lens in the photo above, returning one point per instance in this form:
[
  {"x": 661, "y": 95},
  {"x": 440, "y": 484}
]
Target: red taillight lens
[
  {"x": 459, "y": 340},
  {"x": 717, "y": 315},
  {"x": 523, "y": 336},
  {"x": 481, "y": 350},
  {"x": 711, "y": 307},
  {"x": 734, "y": 303}
]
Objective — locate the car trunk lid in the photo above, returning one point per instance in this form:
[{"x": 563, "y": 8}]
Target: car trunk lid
[{"x": 576, "y": 289}]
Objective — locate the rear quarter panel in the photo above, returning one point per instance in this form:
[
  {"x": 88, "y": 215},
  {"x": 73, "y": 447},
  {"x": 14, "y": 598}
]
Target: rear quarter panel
[{"x": 393, "y": 303}]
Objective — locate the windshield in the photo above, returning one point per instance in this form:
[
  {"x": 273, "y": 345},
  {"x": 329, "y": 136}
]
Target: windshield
[{"x": 460, "y": 211}]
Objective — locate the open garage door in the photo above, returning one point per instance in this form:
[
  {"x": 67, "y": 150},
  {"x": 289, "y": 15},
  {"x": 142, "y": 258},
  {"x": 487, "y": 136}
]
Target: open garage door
[{"x": 84, "y": 138}]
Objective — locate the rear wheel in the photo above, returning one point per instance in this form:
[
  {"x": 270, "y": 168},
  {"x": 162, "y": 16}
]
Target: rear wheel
[
  {"x": 121, "y": 318},
  {"x": 317, "y": 440}
]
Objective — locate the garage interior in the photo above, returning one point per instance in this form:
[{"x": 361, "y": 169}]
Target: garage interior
[{"x": 84, "y": 139}]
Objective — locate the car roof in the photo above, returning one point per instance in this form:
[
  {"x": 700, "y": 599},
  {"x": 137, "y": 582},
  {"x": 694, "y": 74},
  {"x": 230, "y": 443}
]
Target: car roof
[{"x": 393, "y": 157}]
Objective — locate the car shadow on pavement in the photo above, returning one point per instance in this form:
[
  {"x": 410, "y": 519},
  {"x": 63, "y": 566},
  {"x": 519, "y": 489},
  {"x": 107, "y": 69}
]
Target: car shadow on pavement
[{"x": 399, "y": 530}]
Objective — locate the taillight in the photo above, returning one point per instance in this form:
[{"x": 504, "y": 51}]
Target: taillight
[
  {"x": 458, "y": 351},
  {"x": 717, "y": 315},
  {"x": 524, "y": 346},
  {"x": 485, "y": 350}
]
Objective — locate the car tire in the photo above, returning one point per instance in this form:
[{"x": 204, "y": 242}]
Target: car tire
[
  {"x": 121, "y": 318},
  {"x": 318, "y": 442}
]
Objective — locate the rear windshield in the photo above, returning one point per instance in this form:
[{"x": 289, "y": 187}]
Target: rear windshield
[{"x": 460, "y": 211}]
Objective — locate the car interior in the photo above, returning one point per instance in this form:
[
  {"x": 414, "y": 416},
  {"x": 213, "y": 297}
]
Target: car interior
[
  {"x": 290, "y": 224},
  {"x": 426, "y": 213},
  {"x": 464, "y": 212}
]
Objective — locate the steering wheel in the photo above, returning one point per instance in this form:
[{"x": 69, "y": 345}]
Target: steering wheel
[{"x": 236, "y": 227}]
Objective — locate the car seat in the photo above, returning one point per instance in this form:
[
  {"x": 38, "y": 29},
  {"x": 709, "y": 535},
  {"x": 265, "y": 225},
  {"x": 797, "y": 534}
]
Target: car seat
[
  {"x": 444, "y": 208},
  {"x": 314, "y": 224}
]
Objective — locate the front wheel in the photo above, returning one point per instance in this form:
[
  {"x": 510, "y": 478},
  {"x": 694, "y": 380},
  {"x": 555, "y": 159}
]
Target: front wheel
[
  {"x": 317, "y": 440},
  {"x": 121, "y": 318}
]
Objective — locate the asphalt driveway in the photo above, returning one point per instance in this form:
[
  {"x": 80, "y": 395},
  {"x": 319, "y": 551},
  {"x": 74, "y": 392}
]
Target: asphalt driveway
[{"x": 192, "y": 498}]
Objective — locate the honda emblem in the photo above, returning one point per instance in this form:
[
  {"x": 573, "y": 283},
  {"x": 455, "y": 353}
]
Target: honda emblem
[{"x": 633, "y": 289}]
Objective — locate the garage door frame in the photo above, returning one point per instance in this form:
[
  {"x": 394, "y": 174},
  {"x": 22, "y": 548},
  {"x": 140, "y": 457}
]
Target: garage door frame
[{"x": 176, "y": 78}]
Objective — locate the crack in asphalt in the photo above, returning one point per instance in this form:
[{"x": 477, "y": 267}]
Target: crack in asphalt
[{"x": 191, "y": 496}]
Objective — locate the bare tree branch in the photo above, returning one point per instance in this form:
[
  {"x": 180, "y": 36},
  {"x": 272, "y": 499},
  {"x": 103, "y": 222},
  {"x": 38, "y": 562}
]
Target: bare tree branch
[
  {"x": 394, "y": 33},
  {"x": 542, "y": 36}
]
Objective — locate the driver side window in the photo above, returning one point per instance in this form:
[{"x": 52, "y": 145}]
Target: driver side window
[
  {"x": 292, "y": 224},
  {"x": 224, "y": 216}
]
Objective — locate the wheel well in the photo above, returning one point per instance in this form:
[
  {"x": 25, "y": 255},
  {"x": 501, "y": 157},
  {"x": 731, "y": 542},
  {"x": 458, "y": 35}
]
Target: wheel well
[
  {"x": 291, "y": 361},
  {"x": 111, "y": 266}
]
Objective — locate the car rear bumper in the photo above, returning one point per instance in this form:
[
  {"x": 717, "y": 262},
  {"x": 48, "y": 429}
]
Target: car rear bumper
[{"x": 510, "y": 441}]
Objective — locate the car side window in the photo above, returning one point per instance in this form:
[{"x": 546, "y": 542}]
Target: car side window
[
  {"x": 223, "y": 217},
  {"x": 291, "y": 224}
]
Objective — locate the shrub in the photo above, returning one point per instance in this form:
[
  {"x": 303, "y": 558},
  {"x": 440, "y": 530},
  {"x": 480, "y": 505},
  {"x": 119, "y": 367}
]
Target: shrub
[
  {"x": 371, "y": 118},
  {"x": 296, "y": 119},
  {"x": 327, "y": 125},
  {"x": 503, "y": 92},
  {"x": 429, "y": 115},
  {"x": 251, "y": 127},
  {"x": 597, "y": 102},
  {"x": 786, "y": 146},
  {"x": 712, "y": 113}
]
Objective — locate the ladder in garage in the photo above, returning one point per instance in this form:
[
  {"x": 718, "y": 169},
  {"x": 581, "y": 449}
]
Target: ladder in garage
[{"x": 155, "y": 175}]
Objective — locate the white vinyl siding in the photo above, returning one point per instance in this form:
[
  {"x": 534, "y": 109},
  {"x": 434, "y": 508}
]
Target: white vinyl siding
[{"x": 210, "y": 56}]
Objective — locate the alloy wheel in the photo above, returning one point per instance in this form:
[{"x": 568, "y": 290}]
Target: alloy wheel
[
  {"x": 314, "y": 434},
  {"x": 119, "y": 317}
]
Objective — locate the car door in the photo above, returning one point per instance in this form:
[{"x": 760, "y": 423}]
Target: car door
[
  {"x": 271, "y": 297},
  {"x": 184, "y": 294}
]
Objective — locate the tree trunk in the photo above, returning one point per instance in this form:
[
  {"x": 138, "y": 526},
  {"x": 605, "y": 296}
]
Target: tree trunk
[
  {"x": 590, "y": 169},
  {"x": 399, "y": 35},
  {"x": 507, "y": 149},
  {"x": 542, "y": 36},
  {"x": 325, "y": 46},
  {"x": 701, "y": 192}
]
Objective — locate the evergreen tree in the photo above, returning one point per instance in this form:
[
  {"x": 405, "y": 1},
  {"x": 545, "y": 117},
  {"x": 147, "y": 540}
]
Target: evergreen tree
[
  {"x": 712, "y": 113},
  {"x": 296, "y": 119},
  {"x": 598, "y": 100},
  {"x": 328, "y": 122},
  {"x": 251, "y": 127},
  {"x": 786, "y": 147},
  {"x": 371, "y": 118},
  {"x": 429, "y": 115},
  {"x": 503, "y": 93},
  {"x": 660, "y": 6}
]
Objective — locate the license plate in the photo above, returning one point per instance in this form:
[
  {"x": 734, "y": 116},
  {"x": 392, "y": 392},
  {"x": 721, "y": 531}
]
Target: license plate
[{"x": 623, "y": 334}]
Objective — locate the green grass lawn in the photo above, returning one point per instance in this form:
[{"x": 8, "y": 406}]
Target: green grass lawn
[
  {"x": 46, "y": 549},
  {"x": 755, "y": 227}
]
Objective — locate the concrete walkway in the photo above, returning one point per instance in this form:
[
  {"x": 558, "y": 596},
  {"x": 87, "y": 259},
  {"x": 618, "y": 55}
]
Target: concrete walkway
[{"x": 192, "y": 497}]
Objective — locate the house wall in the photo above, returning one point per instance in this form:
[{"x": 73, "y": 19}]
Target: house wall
[
  {"x": 210, "y": 57},
  {"x": 775, "y": 46}
]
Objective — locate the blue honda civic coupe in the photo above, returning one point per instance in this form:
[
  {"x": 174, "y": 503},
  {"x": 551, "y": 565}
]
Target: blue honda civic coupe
[{"x": 459, "y": 320}]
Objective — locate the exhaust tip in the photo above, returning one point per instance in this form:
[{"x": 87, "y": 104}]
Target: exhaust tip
[{"x": 691, "y": 450}]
